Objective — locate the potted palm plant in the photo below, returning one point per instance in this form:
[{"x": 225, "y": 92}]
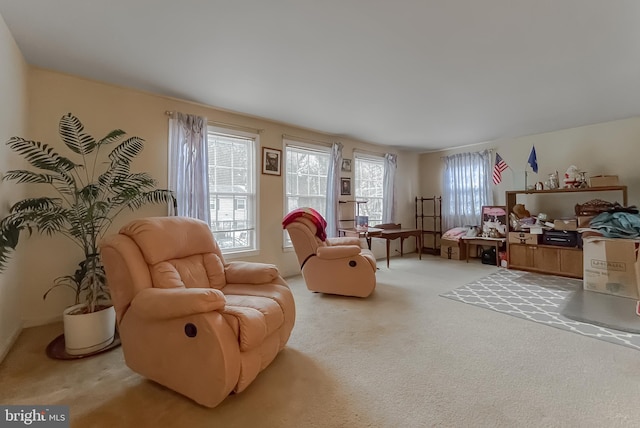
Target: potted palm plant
[{"x": 90, "y": 193}]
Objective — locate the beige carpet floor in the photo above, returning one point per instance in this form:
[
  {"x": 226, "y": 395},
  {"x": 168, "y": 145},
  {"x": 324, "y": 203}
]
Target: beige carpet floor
[{"x": 404, "y": 357}]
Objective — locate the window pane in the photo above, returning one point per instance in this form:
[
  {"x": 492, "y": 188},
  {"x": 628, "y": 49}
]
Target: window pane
[
  {"x": 369, "y": 183},
  {"x": 232, "y": 191},
  {"x": 306, "y": 179}
]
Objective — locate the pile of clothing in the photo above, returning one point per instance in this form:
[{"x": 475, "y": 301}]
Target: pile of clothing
[{"x": 619, "y": 222}]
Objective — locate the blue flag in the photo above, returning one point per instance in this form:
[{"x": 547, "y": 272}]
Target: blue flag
[{"x": 533, "y": 160}]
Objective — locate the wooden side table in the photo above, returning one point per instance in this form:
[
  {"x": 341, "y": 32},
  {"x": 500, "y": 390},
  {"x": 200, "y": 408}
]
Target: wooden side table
[
  {"x": 361, "y": 232},
  {"x": 391, "y": 234},
  {"x": 477, "y": 240}
]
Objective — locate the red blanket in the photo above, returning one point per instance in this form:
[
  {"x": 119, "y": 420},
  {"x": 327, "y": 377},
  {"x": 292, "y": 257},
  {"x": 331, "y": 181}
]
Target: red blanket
[{"x": 312, "y": 215}]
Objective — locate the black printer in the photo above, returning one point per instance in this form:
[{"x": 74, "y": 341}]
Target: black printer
[{"x": 562, "y": 238}]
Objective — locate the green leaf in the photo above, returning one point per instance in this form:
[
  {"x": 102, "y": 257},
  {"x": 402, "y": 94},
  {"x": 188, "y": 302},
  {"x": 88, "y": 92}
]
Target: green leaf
[
  {"x": 112, "y": 137},
  {"x": 24, "y": 176},
  {"x": 65, "y": 184},
  {"x": 10, "y": 228},
  {"x": 52, "y": 221},
  {"x": 157, "y": 196},
  {"x": 40, "y": 155},
  {"x": 36, "y": 204},
  {"x": 70, "y": 129},
  {"x": 127, "y": 150},
  {"x": 115, "y": 172},
  {"x": 90, "y": 192}
]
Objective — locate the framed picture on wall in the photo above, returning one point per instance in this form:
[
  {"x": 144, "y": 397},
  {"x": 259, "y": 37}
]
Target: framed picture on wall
[
  {"x": 271, "y": 161},
  {"x": 346, "y": 165},
  {"x": 494, "y": 217},
  {"x": 345, "y": 186}
]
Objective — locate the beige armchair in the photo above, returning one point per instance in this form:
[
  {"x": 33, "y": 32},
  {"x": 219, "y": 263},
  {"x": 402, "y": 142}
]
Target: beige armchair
[
  {"x": 187, "y": 319},
  {"x": 330, "y": 265}
]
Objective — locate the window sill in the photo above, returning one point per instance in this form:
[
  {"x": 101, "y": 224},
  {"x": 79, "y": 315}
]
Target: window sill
[{"x": 240, "y": 254}]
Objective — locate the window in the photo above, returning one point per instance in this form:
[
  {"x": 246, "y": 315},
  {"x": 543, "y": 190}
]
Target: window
[
  {"x": 232, "y": 189},
  {"x": 306, "y": 169},
  {"x": 369, "y": 186},
  {"x": 241, "y": 204},
  {"x": 466, "y": 188}
]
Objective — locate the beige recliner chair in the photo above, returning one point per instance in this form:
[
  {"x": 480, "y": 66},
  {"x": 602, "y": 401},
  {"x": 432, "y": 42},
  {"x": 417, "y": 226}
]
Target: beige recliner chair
[
  {"x": 330, "y": 265},
  {"x": 187, "y": 319}
]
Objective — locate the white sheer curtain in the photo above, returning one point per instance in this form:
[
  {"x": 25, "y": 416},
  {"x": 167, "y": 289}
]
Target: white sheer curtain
[
  {"x": 389, "y": 188},
  {"x": 466, "y": 188},
  {"x": 188, "y": 176},
  {"x": 333, "y": 189}
]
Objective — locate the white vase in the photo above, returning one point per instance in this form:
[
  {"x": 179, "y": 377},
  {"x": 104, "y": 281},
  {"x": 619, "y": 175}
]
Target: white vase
[{"x": 90, "y": 332}]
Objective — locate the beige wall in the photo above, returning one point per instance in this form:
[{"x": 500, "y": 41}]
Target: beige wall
[
  {"x": 103, "y": 107},
  {"x": 13, "y": 119},
  {"x": 604, "y": 148}
]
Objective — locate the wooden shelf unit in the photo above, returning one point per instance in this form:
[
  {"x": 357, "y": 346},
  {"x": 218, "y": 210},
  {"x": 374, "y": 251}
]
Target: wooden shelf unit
[
  {"x": 350, "y": 220},
  {"x": 433, "y": 220},
  {"x": 552, "y": 259}
]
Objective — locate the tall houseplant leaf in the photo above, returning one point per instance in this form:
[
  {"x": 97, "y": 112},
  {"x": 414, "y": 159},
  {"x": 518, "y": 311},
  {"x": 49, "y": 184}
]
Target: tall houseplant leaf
[{"x": 88, "y": 199}]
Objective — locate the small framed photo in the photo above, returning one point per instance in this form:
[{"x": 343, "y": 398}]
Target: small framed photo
[
  {"x": 346, "y": 165},
  {"x": 271, "y": 161},
  {"x": 345, "y": 186}
]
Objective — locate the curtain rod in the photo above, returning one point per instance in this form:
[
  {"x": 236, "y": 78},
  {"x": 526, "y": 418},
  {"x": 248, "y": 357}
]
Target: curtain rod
[
  {"x": 489, "y": 150},
  {"x": 367, "y": 152},
  {"x": 226, "y": 125},
  {"x": 306, "y": 140}
]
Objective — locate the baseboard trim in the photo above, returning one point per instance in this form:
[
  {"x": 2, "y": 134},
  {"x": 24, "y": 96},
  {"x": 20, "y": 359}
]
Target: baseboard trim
[
  {"x": 42, "y": 321},
  {"x": 11, "y": 340}
]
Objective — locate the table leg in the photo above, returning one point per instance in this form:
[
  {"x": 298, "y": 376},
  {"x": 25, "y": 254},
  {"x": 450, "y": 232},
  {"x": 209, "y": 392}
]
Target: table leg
[
  {"x": 498, "y": 253},
  {"x": 419, "y": 244},
  {"x": 388, "y": 243},
  {"x": 466, "y": 250},
  {"x": 401, "y": 246},
  {"x": 368, "y": 238}
]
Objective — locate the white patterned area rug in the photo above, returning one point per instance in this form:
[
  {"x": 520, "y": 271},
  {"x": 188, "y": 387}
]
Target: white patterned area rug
[{"x": 535, "y": 297}]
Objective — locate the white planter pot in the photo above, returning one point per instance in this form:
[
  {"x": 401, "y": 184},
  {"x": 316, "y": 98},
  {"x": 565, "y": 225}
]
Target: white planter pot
[{"x": 88, "y": 333}]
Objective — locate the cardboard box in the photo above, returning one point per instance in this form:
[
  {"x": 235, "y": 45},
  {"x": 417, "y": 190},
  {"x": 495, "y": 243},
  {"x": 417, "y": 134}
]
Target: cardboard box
[
  {"x": 565, "y": 224},
  {"x": 611, "y": 266},
  {"x": 452, "y": 250},
  {"x": 473, "y": 250},
  {"x": 584, "y": 220},
  {"x": 604, "y": 180},
  {"x": 524, "y": 238}
]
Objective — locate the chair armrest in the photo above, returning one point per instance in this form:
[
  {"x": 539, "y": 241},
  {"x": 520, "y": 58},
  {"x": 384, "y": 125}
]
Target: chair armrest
[
  {"x": 165, "y": 303},
  {"x": 343, "y": 240},
  {"x": 250, "y": 273},
  {"x": 339, "y": 252}
]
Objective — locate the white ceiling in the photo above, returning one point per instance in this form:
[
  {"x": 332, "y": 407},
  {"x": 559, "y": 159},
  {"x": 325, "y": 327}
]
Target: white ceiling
[{"x": 417, "y": 74}]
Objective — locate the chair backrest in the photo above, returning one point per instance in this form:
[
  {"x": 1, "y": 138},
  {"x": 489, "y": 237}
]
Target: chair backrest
[
  {"x": 302, "y": 232},
  {"x": 161, "y": 252},
  {"x": 180, "y": 244}
]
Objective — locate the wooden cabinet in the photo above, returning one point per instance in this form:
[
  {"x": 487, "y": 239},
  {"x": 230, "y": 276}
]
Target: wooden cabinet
[
  {"x": 563, "y": 261},
  {"x": 546, "y": 259},
  {"x": 571, "y": 262}
]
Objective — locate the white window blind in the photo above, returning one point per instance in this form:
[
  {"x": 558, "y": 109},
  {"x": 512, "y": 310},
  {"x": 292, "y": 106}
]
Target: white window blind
[
  {"x": 306, "y": 169},
  {"x": 232, "y": 189},
  {"x": 369, "y": 185}
]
